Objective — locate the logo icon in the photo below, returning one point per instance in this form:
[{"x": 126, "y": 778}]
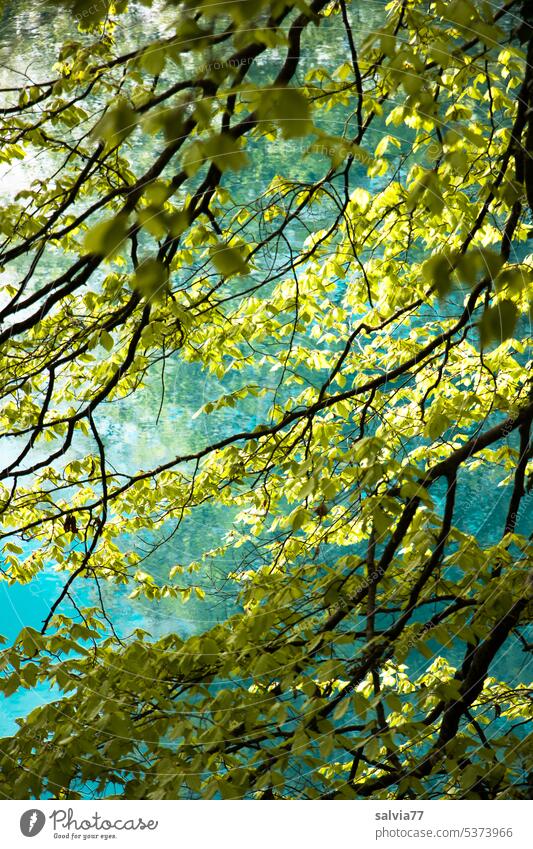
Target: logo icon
[{"x": 32, "y": 822}]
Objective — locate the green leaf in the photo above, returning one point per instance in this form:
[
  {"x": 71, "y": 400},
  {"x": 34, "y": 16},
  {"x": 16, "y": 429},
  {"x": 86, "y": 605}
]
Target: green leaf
[
  {"x": 116, "y": 124},
  {"x": 498, "y": 323},
  {"x": 107, "y": 237},
  {"x": 513, "y": 279},
  {"x": 289, "y": 110},
  {"x": 153, "y": 59},
  {"x": 228, "y": 261},
  {"x": 226, "y": 152},
  {"x": 151, "y": 279},
  {"x": 106, "y": 340},
  {"x": 437, "y": 271}
]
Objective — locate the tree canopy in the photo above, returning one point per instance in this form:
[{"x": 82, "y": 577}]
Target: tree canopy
[{"x": 333, "y": 220}]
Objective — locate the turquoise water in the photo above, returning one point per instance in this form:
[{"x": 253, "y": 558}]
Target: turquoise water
[
  {"x": 136, "y": 438},
  {"x": 138, "y": 432}
]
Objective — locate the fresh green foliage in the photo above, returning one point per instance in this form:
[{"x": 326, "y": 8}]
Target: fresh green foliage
[{"x": 377, "y": 311}]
